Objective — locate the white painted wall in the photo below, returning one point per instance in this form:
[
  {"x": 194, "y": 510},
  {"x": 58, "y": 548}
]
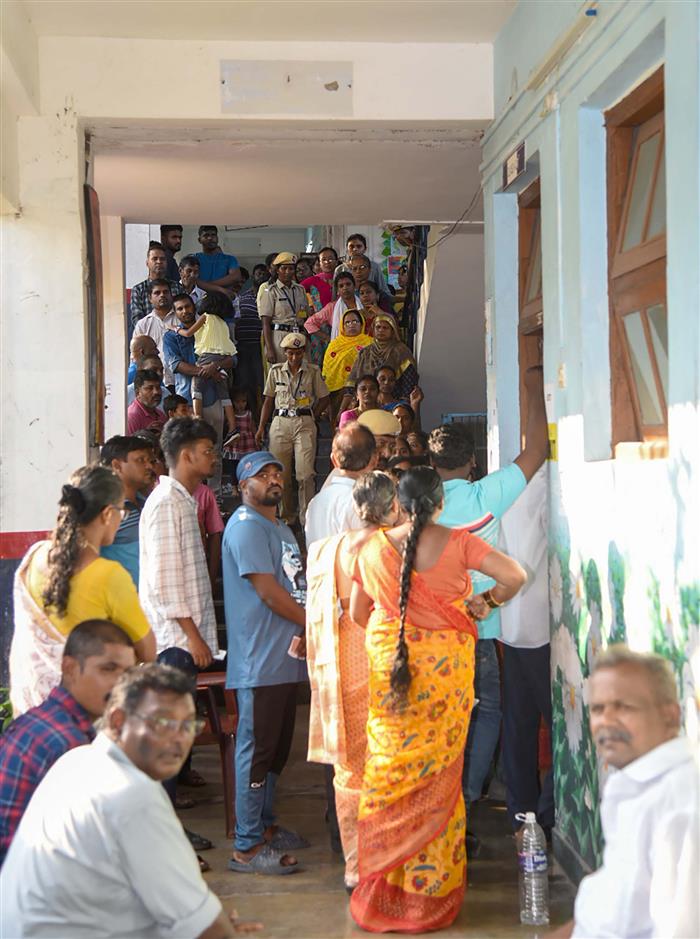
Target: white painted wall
[
  {"x": 42, "y": 332},
  {"x": 120, "y": 78},
  {"x": 451, "y": 351}
]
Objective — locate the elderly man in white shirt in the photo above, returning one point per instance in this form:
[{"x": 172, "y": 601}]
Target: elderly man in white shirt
[
  {"x": 100, "y": 853},
  {"x": 647, "y": 885},
  {"x": 332, "y": 511}
]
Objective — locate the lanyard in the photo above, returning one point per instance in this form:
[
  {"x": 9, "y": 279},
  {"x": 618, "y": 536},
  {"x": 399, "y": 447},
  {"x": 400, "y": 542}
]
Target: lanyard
[
  {"x": 290, "y": 300},
  {"x": 295, "y": 393}
]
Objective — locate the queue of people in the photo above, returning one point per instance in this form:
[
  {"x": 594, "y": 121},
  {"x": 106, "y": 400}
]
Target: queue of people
[{"x": 395, "y": 590}]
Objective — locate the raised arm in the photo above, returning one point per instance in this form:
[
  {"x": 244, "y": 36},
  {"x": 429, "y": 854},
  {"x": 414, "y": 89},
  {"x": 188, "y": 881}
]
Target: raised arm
[
  {"x": 195, "y": 327},
  {"x": 536, "y": 439}
]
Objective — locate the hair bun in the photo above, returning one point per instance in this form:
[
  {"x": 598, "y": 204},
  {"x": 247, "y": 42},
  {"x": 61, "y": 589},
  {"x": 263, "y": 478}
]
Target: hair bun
[{"x": 73, "y": 498}]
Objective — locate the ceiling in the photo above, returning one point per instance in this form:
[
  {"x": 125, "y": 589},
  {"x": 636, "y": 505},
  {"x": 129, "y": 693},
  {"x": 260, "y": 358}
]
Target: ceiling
[
  {"x": 269, "y": 173},
  {"x": 293, "y": 20}
]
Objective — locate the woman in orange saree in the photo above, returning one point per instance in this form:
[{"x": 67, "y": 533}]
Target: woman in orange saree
[
  {"x": 336, "y": 656},
  {"x": 411, "y": 591}
]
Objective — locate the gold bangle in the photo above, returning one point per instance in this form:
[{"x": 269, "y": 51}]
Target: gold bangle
[{"x": 491, "y": 601}]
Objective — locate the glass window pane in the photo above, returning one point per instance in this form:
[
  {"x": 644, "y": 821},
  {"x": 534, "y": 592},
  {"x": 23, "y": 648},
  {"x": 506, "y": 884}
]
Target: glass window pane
[
  {"x": 534, "y": 288},
  {"x": 657, "y": 219},
  {"x": 639, "y": 200},
  {"x": 641, "y": 369},
  {"x": 659, "y": 337}
]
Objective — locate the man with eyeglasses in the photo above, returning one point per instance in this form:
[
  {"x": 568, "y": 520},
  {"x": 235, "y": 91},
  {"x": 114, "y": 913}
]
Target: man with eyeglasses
[
  {"x": 130, "y": 459},
  {"x": 100, "y": 851}
]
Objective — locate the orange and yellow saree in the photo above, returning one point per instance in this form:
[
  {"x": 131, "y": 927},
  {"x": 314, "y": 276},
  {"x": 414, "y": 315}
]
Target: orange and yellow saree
[{"x": 412, "y": 822}]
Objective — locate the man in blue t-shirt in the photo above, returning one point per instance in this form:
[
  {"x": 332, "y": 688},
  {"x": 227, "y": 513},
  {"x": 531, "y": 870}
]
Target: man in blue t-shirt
[
  {"x": 264, "y": 599},
  {"x": 479, "y": 506},
  {"x": 216, "y": 269},
  {"x": 130, "y": 459}
]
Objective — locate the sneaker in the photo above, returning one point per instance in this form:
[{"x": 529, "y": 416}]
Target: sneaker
[{"x": 232, "y": 438}]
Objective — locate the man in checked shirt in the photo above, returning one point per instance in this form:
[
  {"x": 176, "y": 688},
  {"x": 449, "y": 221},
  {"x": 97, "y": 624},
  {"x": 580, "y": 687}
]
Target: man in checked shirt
[{"x": 174, "y": 584}]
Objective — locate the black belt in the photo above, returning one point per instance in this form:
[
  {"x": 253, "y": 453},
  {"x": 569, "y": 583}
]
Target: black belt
[
  {"x": 286, "y": 327},
  {"x": 292, "y": 412}
]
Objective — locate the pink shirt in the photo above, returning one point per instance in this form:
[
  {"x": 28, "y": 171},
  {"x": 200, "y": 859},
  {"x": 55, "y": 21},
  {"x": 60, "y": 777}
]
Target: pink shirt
[
  {"x": 208, "y": 513},
  {"x": 140, "y": 418}
]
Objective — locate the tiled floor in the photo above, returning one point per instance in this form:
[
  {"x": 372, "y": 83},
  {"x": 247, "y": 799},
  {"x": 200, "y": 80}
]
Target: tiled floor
[{"x": 312, "y": 904}]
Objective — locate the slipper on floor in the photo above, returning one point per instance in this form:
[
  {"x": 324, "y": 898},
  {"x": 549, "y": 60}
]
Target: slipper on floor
[
  {"x": 286, "y": 840},
  {"x": 191, "y": 778},
  {"x": 204, "y": 866},
  {"x": 184, "y": 802},
  {"x": 266, "y": 861},
  {"x": 198, "y": 842}
]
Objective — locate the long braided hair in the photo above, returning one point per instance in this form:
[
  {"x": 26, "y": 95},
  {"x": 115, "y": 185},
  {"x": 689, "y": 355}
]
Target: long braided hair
[
  {"x": 89, "y": 490},
  {"x": 420, "y": 495}
]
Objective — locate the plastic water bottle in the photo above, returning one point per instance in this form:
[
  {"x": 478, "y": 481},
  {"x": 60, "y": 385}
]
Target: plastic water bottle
[{"x": 532, "y": 872}]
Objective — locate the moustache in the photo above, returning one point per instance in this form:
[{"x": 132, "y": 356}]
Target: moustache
[{"x": 612, "y": 734}]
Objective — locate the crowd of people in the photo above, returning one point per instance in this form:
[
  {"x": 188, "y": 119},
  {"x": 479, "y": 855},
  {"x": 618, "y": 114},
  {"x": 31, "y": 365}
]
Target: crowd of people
[{"x": 409, "y": 590}]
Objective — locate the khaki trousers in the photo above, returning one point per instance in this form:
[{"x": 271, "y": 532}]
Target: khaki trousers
[{"x": 293, "y": 443}]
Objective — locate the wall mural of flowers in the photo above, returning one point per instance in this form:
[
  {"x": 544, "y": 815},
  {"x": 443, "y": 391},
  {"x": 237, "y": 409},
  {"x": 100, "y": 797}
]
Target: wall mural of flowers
[{"x": 582, "y": 621}]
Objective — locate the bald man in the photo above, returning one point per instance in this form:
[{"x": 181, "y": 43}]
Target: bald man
[
  {"x": 332, "y": 511},
  {"x": 141, "y": 347}
]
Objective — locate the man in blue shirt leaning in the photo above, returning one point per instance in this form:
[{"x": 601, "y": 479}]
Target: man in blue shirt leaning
[
  {"x": 264, "y": 599},
  {"x": 479, "y": 506},
  {"x": 216, "y": 269}
]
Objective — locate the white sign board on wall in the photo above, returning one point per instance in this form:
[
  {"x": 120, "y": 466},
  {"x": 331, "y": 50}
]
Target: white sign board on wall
[{"x": 264, "y": 87}]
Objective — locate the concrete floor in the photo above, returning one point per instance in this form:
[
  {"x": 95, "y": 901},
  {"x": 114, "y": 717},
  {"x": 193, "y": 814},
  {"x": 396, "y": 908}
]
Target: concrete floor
[{"x": 312, "y": 904}]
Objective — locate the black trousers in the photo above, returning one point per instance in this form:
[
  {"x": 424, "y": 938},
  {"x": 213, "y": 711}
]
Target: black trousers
[{"x": 527, "y": 697}]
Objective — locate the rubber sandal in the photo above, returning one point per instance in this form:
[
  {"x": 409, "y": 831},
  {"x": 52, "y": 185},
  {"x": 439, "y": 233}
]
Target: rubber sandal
[
  {"x": 184, "y": 802},
  {"x": 285, "y": 840},
  {"x": 198, "y": 842},
  {"x": 204, "y": 866},
  {"x": 266, "y": 861},
  {"x": 191, "y": 778}
]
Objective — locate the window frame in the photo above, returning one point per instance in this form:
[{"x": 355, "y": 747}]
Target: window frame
[
  {"x": 530, "y": 314},
  {"x": 637, "y": 277}
]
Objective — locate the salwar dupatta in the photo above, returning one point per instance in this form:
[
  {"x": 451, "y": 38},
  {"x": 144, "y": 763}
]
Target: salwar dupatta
[
  {"x": 37, "y": 646},
  {"x": 412, "y": 822},
  {"x": 337, "y": 664}
]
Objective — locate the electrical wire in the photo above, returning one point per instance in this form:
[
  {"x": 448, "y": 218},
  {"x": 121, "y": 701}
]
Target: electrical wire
[{"x": 464, "y": 214}]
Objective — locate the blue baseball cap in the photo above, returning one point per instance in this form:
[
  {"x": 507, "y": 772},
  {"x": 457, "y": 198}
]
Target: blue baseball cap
[{"x": 252, "y": 463}]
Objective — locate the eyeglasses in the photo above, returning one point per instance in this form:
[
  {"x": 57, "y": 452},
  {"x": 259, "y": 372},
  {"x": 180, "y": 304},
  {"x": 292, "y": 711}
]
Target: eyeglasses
[
  {"x": 163, "y": 726},
  {"x": 122, "y": 509}
]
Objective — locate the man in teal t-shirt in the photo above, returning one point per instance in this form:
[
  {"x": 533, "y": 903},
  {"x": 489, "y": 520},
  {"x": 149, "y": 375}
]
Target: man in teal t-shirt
[{"x": 478, "y": 507}]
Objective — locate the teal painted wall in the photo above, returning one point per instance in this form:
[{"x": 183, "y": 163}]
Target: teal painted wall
[{"x": 624, "y": 553}]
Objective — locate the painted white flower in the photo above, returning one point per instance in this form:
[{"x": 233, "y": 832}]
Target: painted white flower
[
  {"x": 573, "y": 691},
  {"x": 588, "y": 799},
  {"x": 556, "y": 588}
]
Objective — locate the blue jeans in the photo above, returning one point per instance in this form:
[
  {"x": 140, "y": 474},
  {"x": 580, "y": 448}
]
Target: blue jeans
[
  {"x": 181, "y": 659},
  {"x": 266, "y": 719},
  {"x": 485, "y": 725}
]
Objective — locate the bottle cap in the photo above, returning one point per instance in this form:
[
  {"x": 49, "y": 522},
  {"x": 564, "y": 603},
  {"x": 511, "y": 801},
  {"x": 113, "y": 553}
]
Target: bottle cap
[{"x": 530, "y": 817}]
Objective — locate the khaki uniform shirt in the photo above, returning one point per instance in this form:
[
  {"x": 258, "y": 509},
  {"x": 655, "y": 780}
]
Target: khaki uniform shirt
[
  {"x": 302, "y": 390},
  {"x": 283, "y": 304}
]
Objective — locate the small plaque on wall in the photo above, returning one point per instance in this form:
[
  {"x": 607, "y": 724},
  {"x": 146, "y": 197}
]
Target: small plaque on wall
[{"x": 514, "y": 165}]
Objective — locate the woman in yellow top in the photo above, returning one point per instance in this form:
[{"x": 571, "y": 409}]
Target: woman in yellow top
[
  {"x": 341, "y": 354},
  {"x": 64, "y": 581}
]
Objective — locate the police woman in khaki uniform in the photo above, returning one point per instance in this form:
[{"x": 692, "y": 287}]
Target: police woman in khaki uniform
[
  {"x": 298, "y": 394},
  {"x": 282, "y": 307}
]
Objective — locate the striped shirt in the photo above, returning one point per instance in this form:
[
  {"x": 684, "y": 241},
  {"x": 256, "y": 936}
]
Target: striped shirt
[
  {"x": 174, "y": 579},
  {"x": 248, "y": 324}
]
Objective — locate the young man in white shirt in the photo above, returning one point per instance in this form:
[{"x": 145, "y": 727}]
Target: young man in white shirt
[
  {"x": 647, "y": 884},
  {"x": 99, "y": 851}
]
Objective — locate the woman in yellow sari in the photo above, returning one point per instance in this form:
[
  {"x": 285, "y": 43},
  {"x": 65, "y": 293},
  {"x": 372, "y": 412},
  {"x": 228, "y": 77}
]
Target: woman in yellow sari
[
  {"x": 341, "y": 354},
  {"x": 411, "y": 591}
]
